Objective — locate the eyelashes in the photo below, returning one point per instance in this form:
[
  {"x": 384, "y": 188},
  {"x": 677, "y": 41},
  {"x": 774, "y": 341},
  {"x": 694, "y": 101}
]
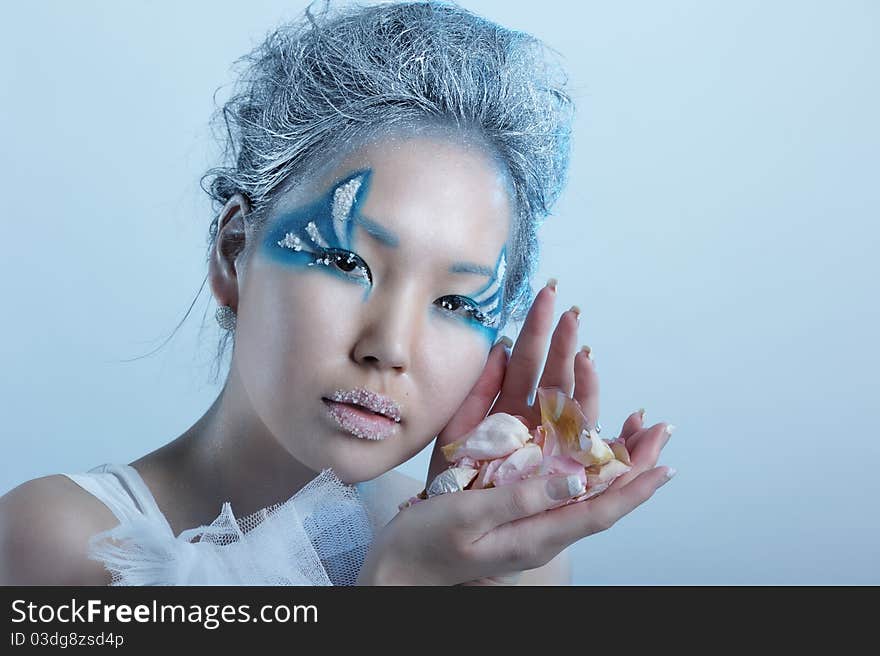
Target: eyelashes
[
  {"x": 452, "y": 304},
  {"x": 352, "y": 266},
  {"x": 345, "y": 262}
]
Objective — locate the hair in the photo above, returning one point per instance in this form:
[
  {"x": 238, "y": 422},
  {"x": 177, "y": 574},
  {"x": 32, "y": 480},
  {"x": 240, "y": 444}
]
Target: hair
[{"x": 341, "y": 74}]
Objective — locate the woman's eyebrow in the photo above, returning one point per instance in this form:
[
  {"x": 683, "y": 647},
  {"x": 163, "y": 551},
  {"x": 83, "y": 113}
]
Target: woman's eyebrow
[
  {"x": 389, "y": 238},
  {"x": 468, "y": 267},
  {"x": 382, "y": 234}
]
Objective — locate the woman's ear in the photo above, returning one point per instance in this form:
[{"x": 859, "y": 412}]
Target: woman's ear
[{"x": 228, "y": 246}]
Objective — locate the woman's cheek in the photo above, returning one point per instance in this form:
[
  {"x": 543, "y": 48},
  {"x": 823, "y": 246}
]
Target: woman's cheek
[{"x": 456, "y": 358}]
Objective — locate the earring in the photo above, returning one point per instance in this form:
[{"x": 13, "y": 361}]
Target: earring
[{"x": 225, "y": 316}]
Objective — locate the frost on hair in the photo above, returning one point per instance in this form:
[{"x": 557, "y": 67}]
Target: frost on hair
[{"x": 344, "y": 72}]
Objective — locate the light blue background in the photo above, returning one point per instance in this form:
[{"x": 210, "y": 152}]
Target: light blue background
[{"x": 719, "y": 232}]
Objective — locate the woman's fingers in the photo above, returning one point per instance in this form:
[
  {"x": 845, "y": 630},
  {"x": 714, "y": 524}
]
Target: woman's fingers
[
  {"x": 586, "y": 386},
  {"x": 558, "y": 370},
  {"x": 644, "y": 450},
  {"x": 496, "y": 506},
  {"x": 631, "y": 426},
  {"x": 528, "y": 354},
  {"x": 657, "y": 431},
  {"x": 563, "y": 526}
]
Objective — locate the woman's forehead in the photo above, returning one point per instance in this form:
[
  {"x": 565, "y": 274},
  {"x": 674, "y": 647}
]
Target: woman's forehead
[{"x": 419, "y": 192}]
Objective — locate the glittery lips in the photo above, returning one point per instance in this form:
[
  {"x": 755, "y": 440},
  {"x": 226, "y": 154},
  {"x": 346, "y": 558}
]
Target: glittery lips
[{"x": 363, "y": 413}]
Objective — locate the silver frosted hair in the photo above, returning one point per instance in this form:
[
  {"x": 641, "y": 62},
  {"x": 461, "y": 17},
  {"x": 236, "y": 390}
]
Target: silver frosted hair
[{"x": 342, "y": 73}]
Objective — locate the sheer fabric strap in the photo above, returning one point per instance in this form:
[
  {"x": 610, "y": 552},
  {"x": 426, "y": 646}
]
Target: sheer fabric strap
[{"x": 121, "y": 488}]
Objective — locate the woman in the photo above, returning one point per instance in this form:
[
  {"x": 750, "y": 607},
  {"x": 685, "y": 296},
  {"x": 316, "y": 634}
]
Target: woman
[{"x": 376, "y": 231}]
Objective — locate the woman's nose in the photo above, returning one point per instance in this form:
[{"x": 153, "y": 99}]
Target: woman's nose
[{"x": 389, "y": 326}]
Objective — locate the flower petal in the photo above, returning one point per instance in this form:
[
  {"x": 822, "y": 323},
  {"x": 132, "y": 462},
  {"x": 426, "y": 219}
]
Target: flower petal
[
  {"x": 497, "y": 435},
  {"x": 453, "y": 479},
  {"x": 519, "y": 465}
]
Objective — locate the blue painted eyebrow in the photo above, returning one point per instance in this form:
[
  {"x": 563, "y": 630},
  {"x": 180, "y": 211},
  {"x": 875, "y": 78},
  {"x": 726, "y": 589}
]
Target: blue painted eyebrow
[
  {"x": 377, "y": 231},
  {"x": 468, "y": 267},
  {"x": 390, "y": 239}
]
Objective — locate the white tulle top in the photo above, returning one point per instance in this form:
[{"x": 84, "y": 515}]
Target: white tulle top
[{"x": 320, "y": 536}]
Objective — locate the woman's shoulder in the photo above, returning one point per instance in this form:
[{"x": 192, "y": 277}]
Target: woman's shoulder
[{"x": 45, "y": 526}]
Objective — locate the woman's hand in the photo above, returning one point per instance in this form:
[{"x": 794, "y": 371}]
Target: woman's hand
[
  {"x": 490, "y": 536},
  {"x": 514, "y": 382}
]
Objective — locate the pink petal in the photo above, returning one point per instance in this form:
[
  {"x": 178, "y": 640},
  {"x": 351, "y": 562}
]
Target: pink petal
[
  {"x": 553, "y": 465},
  {"x": 519, "y": 464},
  {"x": 607, "y": 473},
  {"x": 620, "y": 451},
  {"x": 486, "y": 476},
  {"x": 497, "y": 435},
  {"x": 568, "y": 431},
  {"x": 468, "y": 462},
  {"x": 551, "y": 445},
  {"x": 564, "y": 415},
  {"x": 538, "y": 436}
]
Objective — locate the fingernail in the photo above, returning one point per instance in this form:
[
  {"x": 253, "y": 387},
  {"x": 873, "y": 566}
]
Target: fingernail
[
  {"x": 577, "y": 312},
  {"x": 586, "y": 349},
  {"x": 670, "y": 472},
  {"x": 508, "y": 343},
  {"x": 564, "y": 487},
  {"x": 670, "y": 428},
  {"x": 552, "y": 283},
  {"x": 642, "y": 414}
]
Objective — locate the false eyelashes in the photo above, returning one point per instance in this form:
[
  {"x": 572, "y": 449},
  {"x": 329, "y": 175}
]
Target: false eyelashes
[
  {"x": 346, "y": 262},
  {"x": 455, "y": 302}
]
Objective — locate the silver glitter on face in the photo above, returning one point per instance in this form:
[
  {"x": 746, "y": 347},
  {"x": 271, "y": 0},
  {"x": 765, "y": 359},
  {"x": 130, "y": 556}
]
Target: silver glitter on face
[
  {"x": 326, "y": 261},
  {"x": 291, "y": 241},
  {"x": 315, "y": 234},
  {"x": 319, "y": 235},
  {"x": 343, "y": 199}
]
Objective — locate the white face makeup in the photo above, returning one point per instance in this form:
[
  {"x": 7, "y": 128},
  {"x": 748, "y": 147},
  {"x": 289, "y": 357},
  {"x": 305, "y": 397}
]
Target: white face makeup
[{"x": 381, "y": 281}]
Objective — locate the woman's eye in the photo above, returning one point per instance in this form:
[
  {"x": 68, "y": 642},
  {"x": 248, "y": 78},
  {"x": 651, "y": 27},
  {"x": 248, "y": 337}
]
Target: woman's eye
[
  {"x": 464, "y": 307},
  {"x": 353, "y": 266},
  {"x": 346, "y": 262}
]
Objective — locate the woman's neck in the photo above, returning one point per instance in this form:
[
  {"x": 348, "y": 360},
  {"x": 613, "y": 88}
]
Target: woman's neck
[{"x": 227, "y": 455}]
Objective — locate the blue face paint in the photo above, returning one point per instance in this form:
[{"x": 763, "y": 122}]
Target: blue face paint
[
  {"x": 321, "y": 234},
  {"x": 483, "y": 308}
]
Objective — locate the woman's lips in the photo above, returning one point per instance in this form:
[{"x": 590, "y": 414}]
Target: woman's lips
[{"x": 360, "y": 422}]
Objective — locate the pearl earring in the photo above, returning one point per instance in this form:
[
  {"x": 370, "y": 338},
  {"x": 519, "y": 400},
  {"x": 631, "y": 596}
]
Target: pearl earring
[{"x": 225, "y": 316}]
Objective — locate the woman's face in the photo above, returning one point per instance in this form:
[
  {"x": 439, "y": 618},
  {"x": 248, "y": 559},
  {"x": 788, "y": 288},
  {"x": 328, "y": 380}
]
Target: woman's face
[{"x": 383, "y": 277}]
